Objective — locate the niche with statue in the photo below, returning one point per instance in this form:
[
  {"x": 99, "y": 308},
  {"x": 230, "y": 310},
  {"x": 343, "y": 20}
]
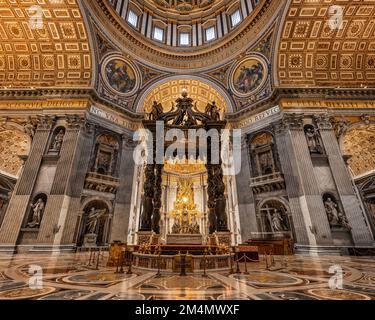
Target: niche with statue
[
  {"x": 340, "y": 226},
  {"x": 94, "y": 224},
  {"x": 314, "y": 141},
  {"x": 57, "y": 141},
  {"x": 36, "y": 212}
]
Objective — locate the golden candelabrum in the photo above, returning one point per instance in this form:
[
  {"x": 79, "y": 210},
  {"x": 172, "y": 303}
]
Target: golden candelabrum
[{"x": 185, "y": 211}]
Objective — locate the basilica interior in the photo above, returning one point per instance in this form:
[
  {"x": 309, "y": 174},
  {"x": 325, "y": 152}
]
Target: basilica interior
[{"x": 90, "y": 91}]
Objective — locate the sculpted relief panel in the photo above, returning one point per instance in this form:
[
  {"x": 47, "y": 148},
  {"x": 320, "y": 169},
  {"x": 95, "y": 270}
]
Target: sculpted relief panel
[
  {"x": 12, "y": 144},
  {"x": 359, "y": 143}
]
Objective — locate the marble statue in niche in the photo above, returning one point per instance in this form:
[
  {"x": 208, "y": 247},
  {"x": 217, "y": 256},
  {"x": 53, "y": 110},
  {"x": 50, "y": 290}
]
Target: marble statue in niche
[
  {"x": 335, "y": 216},
  {"x": 92, "y": 220},
  {"x": 58, "y": 141},
  {"x": 91, "y": 229},
  {"x": 278, "y": 222},
  {"x": 313, "y": 140},
  {"x": 37, "y": 213}
]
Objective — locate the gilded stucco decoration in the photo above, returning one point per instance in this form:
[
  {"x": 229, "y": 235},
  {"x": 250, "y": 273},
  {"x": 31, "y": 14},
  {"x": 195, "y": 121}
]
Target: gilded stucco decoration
[
  {"x": 314, "y": 53},
  {"x": 13, "y": 143},
  {"x": 359, "y": 143},
  {"x": 43, "y": 44}
]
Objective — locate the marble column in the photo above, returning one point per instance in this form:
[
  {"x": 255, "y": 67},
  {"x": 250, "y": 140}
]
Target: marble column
[
  {"x": 360, "y": 230},
  {"x": 124, "y": 193},
  {"x": 20, "y": 202},
  {"x": 246, "y": 202}
]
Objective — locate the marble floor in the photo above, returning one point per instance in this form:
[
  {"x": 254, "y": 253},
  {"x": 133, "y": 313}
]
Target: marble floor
[{"x": 73, "y": 277}]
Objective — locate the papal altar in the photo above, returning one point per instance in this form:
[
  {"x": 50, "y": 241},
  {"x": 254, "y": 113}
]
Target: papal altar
[{"x": 183, "y": 239}]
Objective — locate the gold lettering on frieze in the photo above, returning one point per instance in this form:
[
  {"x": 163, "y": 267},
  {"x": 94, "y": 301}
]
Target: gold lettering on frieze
[
  {"x": 39, "y": 105},
  {"x": 113, "y": 118},
  {"x": 258, "y": 117},
  {"x": 285, "y": 104}
]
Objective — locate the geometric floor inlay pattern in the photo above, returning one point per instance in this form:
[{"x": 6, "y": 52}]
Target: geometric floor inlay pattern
[{"x": 70, "y": 277}]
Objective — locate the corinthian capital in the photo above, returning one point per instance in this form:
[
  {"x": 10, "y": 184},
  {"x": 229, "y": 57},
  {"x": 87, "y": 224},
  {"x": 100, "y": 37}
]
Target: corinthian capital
[
  {"x": 46, "y": 122},
  {"x": 74, "y": 121},
  {"x": 323, "y": 121},
  {"x": 292, "y": 121}
]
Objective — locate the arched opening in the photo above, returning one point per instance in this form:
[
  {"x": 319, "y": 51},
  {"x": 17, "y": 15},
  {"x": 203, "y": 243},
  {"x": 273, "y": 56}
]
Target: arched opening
[
  {"x": 359, "y": 144},
  {"x": 187, "y": 216},
  {"x": 275, "y": 220},
  {"x": 13, "y": 144},
  {"x": 94, "y": 224}
]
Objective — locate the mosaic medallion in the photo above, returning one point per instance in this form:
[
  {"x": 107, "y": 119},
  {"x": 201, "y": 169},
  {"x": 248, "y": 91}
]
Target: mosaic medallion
[
  {"x": 248, "y": 76},
  {"x": 120, "y": 76}
]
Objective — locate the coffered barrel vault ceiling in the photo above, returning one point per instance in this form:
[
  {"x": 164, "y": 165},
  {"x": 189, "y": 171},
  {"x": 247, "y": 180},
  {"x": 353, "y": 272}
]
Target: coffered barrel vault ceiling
[
  {"x": 315, "y": 55},
  {"x": 53, "y": 51}
]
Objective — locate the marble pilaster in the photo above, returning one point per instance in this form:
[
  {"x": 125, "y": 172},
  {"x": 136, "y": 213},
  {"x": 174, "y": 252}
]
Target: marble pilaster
[
  {"x": 20, "y": 202},
  {"x": 246, "y": 202},
  {"x": 360, "y": 230}
]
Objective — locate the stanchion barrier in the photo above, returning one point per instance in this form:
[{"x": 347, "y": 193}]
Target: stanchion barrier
[
  {"x": 130, "y": 263},
  {"x": 158, "y": 275},
  {"x": 230, "y": 261},
  {"x": 204, "y": 263}
]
